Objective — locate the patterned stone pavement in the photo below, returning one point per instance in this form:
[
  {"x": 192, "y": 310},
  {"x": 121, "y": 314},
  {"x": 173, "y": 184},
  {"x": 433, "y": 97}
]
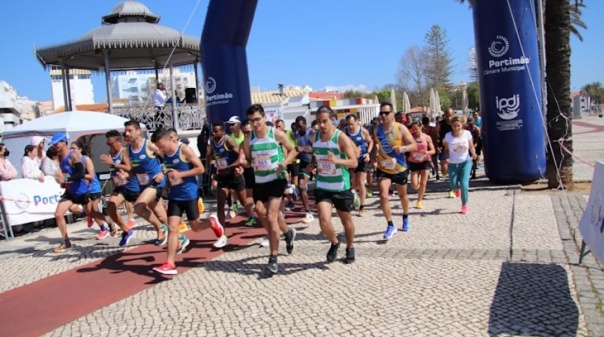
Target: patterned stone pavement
[{"x": 508, "y": 268}]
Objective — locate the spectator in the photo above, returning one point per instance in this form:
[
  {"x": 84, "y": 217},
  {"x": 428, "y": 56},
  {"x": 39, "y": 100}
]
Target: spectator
[
  {"x": 38, "y": 142},
  {"x": 50, "y": 164},
  {"x": 7, "y": 170},
  {"x": 29, "y": 168}
]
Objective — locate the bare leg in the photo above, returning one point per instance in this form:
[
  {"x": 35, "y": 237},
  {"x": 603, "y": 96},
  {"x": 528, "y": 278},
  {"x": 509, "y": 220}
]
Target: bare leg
[{"x": 384, "y": 187}]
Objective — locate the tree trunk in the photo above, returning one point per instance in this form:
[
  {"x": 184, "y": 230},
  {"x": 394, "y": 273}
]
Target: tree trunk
[{"x": 559, "y": 116}]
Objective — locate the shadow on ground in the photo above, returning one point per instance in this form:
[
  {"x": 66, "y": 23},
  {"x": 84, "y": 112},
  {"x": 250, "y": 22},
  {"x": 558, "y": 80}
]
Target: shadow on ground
[{"x": 533, "y": 300}]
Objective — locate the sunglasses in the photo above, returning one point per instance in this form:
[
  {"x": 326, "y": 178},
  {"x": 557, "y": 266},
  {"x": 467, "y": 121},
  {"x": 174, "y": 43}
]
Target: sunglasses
[{"x": 385, "y": 113}]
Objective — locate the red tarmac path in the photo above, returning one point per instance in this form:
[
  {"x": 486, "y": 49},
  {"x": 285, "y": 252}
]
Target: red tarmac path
[{"x": 45, "y": 305}]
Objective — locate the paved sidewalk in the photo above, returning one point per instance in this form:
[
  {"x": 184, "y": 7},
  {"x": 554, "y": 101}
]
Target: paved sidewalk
[{"x": 508, "y": 268}]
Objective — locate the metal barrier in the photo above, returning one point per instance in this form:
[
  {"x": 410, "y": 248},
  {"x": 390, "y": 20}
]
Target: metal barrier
[{"x": 190, "y": 116}]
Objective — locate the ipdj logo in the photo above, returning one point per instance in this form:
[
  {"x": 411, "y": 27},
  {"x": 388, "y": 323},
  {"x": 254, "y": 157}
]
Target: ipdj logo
[
  {"x": 210, "y": 85},
  {"x": 499, "y": 47},
  {"x": 508, "y": 107},
  {"x": 22, "y": 201}
]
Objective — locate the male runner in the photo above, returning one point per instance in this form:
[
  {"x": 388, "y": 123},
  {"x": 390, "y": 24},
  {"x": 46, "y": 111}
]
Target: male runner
[
  {"x": 304, "y": 148},
  {"x": 364, "y": 144}
]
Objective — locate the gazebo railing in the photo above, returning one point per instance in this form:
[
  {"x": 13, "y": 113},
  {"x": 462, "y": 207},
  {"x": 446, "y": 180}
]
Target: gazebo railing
[{"x": 190, "y": 116}]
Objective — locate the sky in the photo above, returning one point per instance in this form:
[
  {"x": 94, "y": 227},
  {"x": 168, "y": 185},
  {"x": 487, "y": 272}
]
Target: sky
[{"x": 339, "y": 44}]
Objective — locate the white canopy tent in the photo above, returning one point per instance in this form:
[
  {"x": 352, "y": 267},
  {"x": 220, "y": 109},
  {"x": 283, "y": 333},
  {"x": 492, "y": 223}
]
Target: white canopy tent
[{"x": 76, "y": 124}]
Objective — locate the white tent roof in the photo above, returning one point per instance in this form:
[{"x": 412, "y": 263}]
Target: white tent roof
[{"x": 78, "y": 122}]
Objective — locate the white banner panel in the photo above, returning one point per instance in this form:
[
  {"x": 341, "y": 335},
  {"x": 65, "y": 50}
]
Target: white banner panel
[
  {"x": 591, "y": 225},
  {"x": 28, "y": 200}
]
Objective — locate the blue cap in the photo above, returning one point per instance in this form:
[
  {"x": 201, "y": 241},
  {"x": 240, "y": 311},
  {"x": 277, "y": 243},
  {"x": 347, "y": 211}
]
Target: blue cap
[{"x": 58, "y": 137}]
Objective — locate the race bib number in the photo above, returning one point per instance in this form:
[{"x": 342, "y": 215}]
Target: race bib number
[
  {"x": 175, "y": 181},
  {"x": 419, "y": 156},
  {"x": 389, "y": 164},
  {"x": 221, "y": 162},
  {"x": 119, "y": 181},
  {"x": 262, "y": 163},
  {"x": 326, "y": 168},
  {"x": 143, "y": 179},
  {"x": 460, "y": 147}
]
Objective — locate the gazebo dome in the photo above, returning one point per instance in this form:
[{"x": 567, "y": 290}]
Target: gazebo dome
[{"x": 130, "y": 11}]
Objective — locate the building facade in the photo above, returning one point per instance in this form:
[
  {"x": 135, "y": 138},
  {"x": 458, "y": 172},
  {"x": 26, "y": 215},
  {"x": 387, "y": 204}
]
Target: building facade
[{"x": 82, "y": 91}]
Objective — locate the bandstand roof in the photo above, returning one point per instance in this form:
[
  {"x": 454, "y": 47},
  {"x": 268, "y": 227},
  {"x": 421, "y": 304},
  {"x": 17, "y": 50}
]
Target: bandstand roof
[{"x": 134, "y": 39}]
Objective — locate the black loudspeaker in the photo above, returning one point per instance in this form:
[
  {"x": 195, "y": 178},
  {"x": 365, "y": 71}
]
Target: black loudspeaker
[{"x": 190, "y": 95}]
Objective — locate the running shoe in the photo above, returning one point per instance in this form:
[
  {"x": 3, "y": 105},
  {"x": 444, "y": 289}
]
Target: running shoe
[
  {"x": 357, "y": 200},
  {"x": 102, "y": 234},
  {"x": 405, "y": 224},
  {"x": 131, "y": 223},
  {"x": 201, "y": 207},
  {"x": 250, "y": 222},
  {"x": 182, "y": 227},
  {"x": 290, "y": 206},
  {"x": 235, "y": 208},
  {"x": 290, "y": 236},
  {"x": 89, "y": 221},
  {"x": 166, "y": 269},
  {"x": 62, "y": 248},
  {"x": 332, "y": 254},
  {"x": 272, "y": 266},
  {"x": 451, "y": 194},
  {"x": 216, "y": 226},
  {"x": 308, "y": 218},
  {"x": 464, "y": 209},
  {"x": 361, "y": 212},
  {"x": 222, "y": 242},
  {"x": 349, "y": 256},
  {"x": 370, "y": 193},
  {"x": 164, "y": 240},
  {"x": 390, "y": 230},
  {"x": 419, "y": 204},
  {"x": 113, "y": 229},
  {"x": 183, "y": 242},
  {"x": 265, "y": 243},
  {"x": 126, "y": 236},
  {"x": 457, "y": 193},
  {"x": 293, "y": 192}
]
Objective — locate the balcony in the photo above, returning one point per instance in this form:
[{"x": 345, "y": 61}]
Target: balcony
[{"x": 190, "y": 116}]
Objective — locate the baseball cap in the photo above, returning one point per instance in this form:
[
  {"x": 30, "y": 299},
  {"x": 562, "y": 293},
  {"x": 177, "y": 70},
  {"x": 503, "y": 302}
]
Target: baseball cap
[
  {"x": 234, "y": 120},
  {"x": 58, "y": 137}
]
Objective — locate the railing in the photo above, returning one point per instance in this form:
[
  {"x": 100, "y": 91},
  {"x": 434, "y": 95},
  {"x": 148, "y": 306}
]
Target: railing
[{"x": 190, "y": 116}]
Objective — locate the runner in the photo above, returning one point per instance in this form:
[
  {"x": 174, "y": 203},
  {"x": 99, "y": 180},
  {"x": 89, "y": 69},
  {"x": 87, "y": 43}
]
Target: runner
[
  {"x": 459, "y": 153},
  {"x": 442, "y": 128},
  {"x": 225, "y": 153},
  {"x": 394, "y": 141},
  {"x": 363, "y": 142},
  {"x": 248, "y": 174},
  {"x": 142, "y": 161},
  {"x": 371, "y": 166},
  {"x": 293, "y": 169},
  {"x": 475, "y": 131},
  {"x": 71, "y": 177},
  {"x": 420, "y": 161},
  {"x": 94, "y": 192},
  {"x": 335, "y": 154},
  {"x": 182, "y": 165},
  {"x": 262, "y": 149},
  {"x": 430, "y": 131},
  {"x": 304, "y": 148},
  {"x": 126, "y": 189},
  {"x": 237, "y": 135}
]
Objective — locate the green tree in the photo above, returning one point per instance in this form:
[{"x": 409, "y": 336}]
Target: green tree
[
  {"x": 594, "y": 91},
  {"x": 438, "y": 67},
  {"x": 473, "y": 96},
  {"x": 353, "y": 94}
]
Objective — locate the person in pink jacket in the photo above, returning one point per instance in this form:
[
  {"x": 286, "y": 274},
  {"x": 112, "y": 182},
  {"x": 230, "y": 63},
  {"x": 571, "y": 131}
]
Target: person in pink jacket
[{"x": 7, "y": 170}]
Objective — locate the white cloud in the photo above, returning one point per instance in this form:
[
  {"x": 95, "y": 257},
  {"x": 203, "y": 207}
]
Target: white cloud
[{"x": 344, "y": 88}]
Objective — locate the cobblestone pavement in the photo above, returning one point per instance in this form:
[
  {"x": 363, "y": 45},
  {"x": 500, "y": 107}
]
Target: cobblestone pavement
[
  {"x": 508, "y": 268},
  {"x": 501, "y": 270}
]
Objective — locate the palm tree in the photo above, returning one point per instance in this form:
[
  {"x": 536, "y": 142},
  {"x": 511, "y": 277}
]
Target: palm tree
[{"x": 559, "y": 19}]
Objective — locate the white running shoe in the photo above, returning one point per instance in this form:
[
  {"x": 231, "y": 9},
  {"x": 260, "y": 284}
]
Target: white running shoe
[
  {"x": 308, "y": 218},
  {"x": 221, "y": 242},
  {"x": 264, "y": 243}
]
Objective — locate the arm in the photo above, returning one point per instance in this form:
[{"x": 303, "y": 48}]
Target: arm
[
  {"x": 125, "y": 165},
  {"x": 245, "y": 146},
  {"x": 230, "y": 143},
  {"x": 197, "y": 169},
  {"x": 407, "y": 139},
  {"x": 431, "y": 149},
  {"x": 347, "y": 147},
  {"x": 76, "y": 160},
  {"x": 471, "y": 146},
  {"x": 280, "y": 137},
  {"x": 89, "y": 171},
  {"x": 7, "y": 171},
  {"x": 369, "y": 141}
]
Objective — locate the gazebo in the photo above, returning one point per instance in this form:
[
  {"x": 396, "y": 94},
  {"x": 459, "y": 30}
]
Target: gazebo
[{"x": 130, "y": 38}]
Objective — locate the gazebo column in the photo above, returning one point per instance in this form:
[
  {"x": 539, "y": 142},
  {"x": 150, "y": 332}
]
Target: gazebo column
[
  {"x": 108, "y": 81},
  {"x": 64, "y": 82},
  {"x": 69, "y": 105},
  {"x": 196, "y": 84},
  {"x": 173, "y": 94}
]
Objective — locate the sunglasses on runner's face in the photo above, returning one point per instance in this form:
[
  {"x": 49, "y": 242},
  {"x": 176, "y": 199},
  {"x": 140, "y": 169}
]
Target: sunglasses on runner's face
[{"x": 385, "y": 113}]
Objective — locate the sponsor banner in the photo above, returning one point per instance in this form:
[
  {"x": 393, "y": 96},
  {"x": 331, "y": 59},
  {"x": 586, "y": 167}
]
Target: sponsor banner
[
  {"x": 510, "y": 90},
  {"x": 591, "y": 225},
  {"x": 223, "y": 58},
  {"x": 28, "y": 200}
]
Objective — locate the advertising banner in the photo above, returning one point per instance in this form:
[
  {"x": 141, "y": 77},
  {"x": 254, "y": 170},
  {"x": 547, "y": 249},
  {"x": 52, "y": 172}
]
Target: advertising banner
[
  {"x": 29, "y": 200},
  {"x": 510, "y": 90},
  {"x": 591, "y": 225},
  {"x": 224, "y": 60}
]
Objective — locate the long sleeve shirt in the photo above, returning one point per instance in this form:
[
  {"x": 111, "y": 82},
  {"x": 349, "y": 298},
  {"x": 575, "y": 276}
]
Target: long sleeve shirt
[
  {"x": 30, "y": 169},
  {"x": 50, "y": 167},
  {"x": 7, "y": 170}
]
